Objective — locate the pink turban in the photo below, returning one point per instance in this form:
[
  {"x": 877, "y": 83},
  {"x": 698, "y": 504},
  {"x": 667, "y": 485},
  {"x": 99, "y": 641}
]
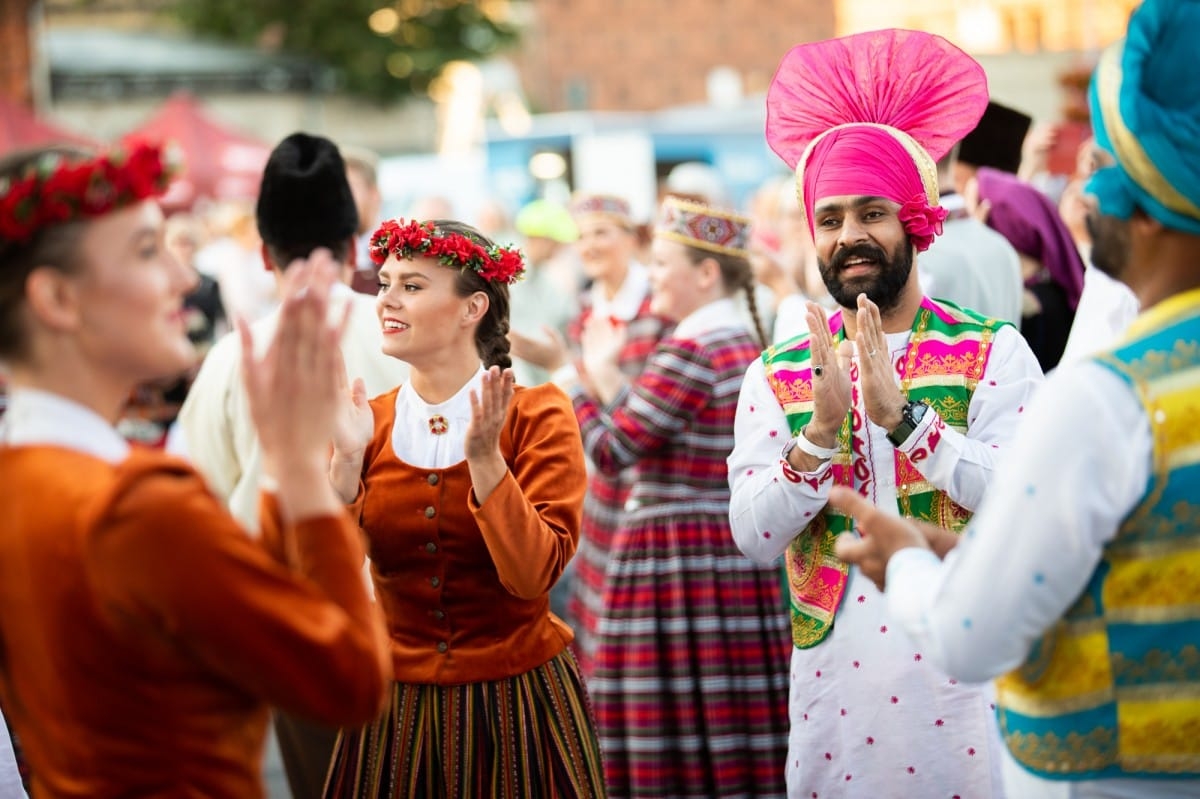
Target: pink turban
[
  {"x": 868, "y": 114},
  {"x": 868, "y": 160}
]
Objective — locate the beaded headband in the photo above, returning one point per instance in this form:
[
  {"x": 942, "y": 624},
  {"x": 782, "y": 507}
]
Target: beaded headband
[
  {"x": 58, "y": 188},
  {"x": 413, "y": 239},
  {"x": 702, "y": 226},
  {"x": 586, "y": 204}
]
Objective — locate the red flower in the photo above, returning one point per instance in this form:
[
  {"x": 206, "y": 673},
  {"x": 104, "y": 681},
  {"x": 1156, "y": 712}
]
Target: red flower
[
  {"x": 57, "y": 190},
  {"x": 412, "y": 239}
]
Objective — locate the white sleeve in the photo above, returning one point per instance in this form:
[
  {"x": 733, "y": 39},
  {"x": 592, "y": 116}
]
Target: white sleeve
[
  {"x": 1080, "y": 464},
  {"x": 964, "y": 464},
  {"x": 204, "y": 418},
  {"x": 770, "y": 503},
  {"x": 10, "y": 775}
]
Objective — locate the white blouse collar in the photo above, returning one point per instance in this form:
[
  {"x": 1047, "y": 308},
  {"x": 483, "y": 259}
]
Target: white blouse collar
[
  {"x": 40, "y": 418},
  {"x": 722, "y": 313},
  {"x": 414, "y": 435},
  {"x": 628, "y": 299}
]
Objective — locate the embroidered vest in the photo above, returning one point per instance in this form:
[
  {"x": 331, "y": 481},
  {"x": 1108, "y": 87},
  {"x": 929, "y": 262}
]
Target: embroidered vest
[
  {"x": 1113, "y": 689},
  {"x": 944, "y": 361}
]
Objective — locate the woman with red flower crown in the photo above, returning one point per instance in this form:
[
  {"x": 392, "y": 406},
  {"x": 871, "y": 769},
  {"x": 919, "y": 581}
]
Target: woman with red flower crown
[
  {"x": 468, "y": 490},
  {"x": 143, "y": 634}
]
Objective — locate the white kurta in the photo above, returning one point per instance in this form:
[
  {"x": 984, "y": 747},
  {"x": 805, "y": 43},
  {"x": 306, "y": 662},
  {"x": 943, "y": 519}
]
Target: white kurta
[
  {"x": 1081, "y": 462},
  {"x": 218, "y": 434},
  {"x": 1106, "y": 307},
  {"x": 870, "y": 715}
]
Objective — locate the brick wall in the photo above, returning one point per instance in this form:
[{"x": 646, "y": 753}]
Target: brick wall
[
  {"x": 650, "y": 54},
  {"x": 15, "y": 54}
]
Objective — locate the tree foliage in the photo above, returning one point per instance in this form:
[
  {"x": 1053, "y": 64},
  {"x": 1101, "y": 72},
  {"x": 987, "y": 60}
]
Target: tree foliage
[{"x": 386, "y": 51}]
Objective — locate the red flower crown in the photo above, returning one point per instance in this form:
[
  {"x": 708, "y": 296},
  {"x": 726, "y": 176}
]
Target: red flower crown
[
  {"x": 59, "y": 188},
  {"x": 406, "y": 240}
]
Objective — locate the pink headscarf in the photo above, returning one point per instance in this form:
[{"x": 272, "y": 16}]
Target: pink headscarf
[{"x": 901, "y": 84}]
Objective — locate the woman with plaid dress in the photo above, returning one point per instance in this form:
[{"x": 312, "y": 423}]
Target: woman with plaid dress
[
  {"x": 618, "y": 295},
  {"x": 690, "y": 678}
]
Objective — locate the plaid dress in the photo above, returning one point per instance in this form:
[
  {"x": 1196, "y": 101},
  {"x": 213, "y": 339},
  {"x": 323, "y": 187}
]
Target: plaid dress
[
  {"x": 690, "y": 687},
  {"x": 604, "y": 504}
]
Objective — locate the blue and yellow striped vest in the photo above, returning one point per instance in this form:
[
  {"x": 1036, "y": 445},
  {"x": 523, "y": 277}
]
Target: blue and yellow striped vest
[{"x": 1113, "y": 689}]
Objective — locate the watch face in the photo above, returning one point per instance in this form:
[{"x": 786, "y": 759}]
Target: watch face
[{"x": 916, "y": 412}]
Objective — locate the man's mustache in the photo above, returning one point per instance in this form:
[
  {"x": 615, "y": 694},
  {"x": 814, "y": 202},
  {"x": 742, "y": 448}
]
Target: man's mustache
[{"x": 876, "y": 254}]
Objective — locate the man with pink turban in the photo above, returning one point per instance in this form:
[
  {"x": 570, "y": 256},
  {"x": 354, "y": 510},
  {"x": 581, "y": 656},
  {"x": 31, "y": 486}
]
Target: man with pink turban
[
  {"x": 909, "y": 401},
  {"x": 1087, "y": 612}
]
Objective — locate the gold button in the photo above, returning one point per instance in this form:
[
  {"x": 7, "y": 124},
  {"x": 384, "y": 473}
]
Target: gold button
[
  {"x": 439, "y": 614},
  {"x": 433, "y": 479},
  {"x": 431, "y": 547},
  {"x": 435, "y": 581},
  {"x": 430, "y": 512},
  {"x": 443, "y": 646}
]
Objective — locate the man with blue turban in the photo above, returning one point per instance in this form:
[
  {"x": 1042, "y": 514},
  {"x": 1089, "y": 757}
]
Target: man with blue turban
[{"x": 1077, "y": 584}]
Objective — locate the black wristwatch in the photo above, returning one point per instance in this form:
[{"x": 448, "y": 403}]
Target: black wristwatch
[{"x": 910, "y": 416}]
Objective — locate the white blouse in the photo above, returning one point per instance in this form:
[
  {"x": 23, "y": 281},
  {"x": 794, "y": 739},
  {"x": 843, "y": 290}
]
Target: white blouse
[{"x": 413, "y": 436}]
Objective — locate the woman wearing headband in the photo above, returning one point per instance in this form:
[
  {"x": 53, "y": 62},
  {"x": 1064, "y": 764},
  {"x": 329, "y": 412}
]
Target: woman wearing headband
[
  {"x": 691, "y": 651},
  {"x": 469, "y": 491},
  {"x": 143, "y": 634}
]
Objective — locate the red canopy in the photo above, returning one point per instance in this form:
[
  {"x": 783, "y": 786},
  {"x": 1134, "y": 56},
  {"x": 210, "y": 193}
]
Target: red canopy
[
  {"x": 218, "y": 163},
  {"x": 21, "y": 128}
]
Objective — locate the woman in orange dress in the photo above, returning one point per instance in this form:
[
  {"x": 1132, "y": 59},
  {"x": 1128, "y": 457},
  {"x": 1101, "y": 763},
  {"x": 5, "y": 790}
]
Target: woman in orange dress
[
  {"x": 143, "y": 634},
  {"x": 469, "y": 490}
]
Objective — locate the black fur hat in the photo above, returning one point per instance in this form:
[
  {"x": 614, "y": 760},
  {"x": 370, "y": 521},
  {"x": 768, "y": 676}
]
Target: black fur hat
[
  {"x": 304, "y": 201},
  {"x": 996, "y": 141}
]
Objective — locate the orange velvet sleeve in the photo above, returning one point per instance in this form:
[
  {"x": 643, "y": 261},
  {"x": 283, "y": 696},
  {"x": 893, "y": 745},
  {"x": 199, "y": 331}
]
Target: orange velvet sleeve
[
  {"x": 164, "y": 555},
  {"x": 530, "y": 522}
]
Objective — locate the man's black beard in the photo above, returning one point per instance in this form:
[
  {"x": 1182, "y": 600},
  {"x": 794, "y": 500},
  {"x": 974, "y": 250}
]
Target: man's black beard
[{"x": 883, "y": 289}]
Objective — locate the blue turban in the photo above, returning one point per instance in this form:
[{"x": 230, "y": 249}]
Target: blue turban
[{"x": 1145, "y": 103}]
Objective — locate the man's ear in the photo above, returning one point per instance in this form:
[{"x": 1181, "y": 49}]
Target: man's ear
[
  {"x": 268, "y": 263},
  {"x": 1141, "y": 222},
  {"x": 52, "y": 298}
]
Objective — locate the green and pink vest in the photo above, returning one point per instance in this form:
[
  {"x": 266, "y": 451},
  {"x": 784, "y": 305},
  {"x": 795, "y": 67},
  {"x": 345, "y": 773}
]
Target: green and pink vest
[{"x": 945, "y": 360}]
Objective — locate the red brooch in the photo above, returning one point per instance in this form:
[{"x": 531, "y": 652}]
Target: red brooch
[{"x": 438, "y": 424}]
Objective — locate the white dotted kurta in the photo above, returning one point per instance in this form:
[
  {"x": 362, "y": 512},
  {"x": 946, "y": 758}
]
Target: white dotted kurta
[{"x": 870, "y": 716}]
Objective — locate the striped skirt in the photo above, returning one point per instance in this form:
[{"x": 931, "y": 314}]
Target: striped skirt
[{"x": 525, "y": 736}]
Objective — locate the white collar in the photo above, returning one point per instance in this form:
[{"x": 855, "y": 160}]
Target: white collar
[
  {"x": 714, "y": 316},
  {"x": 626, "y": 303},
  {"x": 40, "y": 418},
  {"x": 460, "y": 403},
  {"x": 413, "y": 438}
]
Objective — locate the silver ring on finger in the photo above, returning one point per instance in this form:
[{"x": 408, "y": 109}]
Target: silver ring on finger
[
  {"x": 818, "y": 370},
  {"x": 871, "y": 354}
]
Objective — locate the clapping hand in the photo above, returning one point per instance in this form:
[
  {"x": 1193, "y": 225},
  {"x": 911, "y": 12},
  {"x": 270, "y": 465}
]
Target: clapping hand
[
  {"x": 882, "y": 396},
  {"x": 882, "y": 534},
  {"x": 830, "y": 380},
  {"x": 489, "y": 410},
  {"x": 292, "y": 388}
]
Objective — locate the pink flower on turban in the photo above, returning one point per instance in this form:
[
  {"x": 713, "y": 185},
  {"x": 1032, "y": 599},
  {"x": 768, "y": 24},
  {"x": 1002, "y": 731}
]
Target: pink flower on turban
[{"x": 921, "y": 221}]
